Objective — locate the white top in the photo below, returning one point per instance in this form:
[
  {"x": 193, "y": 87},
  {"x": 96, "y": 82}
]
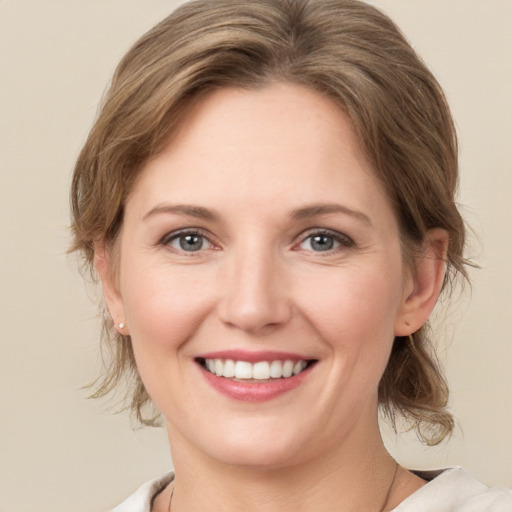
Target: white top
[{"x": 449, "y": 490}]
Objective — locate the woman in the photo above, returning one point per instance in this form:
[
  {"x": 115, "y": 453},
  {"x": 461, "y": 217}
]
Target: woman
[{"x": 268, "y": 199}]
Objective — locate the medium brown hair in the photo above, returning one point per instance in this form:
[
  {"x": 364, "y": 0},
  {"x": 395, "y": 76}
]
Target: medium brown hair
[{"x": 344, "y": 49}]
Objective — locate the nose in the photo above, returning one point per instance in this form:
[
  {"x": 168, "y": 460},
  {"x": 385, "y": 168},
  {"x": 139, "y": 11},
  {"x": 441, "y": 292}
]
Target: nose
[{"x": 255, "y": 296}]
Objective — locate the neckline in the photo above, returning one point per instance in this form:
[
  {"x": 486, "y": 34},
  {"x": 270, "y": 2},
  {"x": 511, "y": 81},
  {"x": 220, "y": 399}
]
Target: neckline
[
  {"x": 434, "y": 478},
  {"x": 431, "y": 477}
]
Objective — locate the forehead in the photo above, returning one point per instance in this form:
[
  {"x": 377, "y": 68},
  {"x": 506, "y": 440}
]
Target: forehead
[
  {"x": 279, "y": 145},
  {"x": 285, "y": 117}
]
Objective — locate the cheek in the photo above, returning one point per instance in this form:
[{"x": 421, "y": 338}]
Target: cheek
[
  {"x": 164, "y": 304},
  {"x": 351, "y": 298},
  {"x": 355, "y": 309},
  {"x": 164, "y": 308}
]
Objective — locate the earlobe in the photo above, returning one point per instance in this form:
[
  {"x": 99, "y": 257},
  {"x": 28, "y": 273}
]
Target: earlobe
[
  {"x": 426, "y": 283},
  {"x": 104, "y": 264}
]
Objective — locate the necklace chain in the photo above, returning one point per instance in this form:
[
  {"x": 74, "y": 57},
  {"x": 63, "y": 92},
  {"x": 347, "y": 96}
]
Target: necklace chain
[
  {"x": 388, "y": 494},
  {"x": 170, "y": 500},
  {"x": 386, "y": 499}
]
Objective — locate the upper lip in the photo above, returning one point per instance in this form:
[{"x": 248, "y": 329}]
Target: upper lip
[{"x": 253, "y": 356}]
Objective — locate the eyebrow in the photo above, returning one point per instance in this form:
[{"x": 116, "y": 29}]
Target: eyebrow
[
  {"x": 326, "y": 208},
  {"x": 198, "y": 212}
]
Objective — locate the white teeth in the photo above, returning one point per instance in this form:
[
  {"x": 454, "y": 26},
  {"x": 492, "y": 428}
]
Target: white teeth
[
  {"x": 287, "y": 369},
  {"x": 243, "y": 370},
  {"x": 229, "y": 368},
  {"x": 299, "y": 366},
  {"x": 262, "y": 370},
  {"x": 276, "y": 369}
]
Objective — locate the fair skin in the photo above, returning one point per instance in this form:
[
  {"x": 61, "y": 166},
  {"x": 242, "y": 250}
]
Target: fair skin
[{"x": 261, "y": 234}]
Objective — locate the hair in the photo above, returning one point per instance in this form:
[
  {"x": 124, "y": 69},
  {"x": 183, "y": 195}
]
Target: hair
[{"x": 344, "y": 49}]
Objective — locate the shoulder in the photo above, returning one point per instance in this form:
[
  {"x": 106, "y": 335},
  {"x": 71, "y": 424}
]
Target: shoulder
[
  {"x": 141, "y": 500},
  {"x": 455, "y": 489}
]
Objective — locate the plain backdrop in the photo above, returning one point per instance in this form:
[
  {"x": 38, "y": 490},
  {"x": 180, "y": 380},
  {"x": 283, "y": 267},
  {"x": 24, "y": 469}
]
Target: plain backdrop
[{"x": 61, "y": 452}]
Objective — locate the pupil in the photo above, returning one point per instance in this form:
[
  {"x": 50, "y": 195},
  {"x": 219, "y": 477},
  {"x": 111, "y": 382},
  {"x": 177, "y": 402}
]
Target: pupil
[
  {"x": 191, "y": 242},
  {"x": 322, "y": 243}
]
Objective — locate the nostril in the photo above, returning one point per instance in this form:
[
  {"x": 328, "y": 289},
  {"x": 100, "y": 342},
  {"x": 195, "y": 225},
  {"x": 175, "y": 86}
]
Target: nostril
[
  {"x": 255, "y": 314},
  {"x": 253, "y": 298}
]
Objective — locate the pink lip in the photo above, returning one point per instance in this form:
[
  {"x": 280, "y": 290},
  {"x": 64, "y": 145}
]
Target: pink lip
[
  {"x": 253, "y": 357},
  {"x": 254, "y": 391}
]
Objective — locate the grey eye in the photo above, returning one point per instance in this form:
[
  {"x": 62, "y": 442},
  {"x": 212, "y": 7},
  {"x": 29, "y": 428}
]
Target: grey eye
[
  {"x": 189, "y": 242},
  {"x": 324, "y": 242},
  {"x": 321, "y": 242}
]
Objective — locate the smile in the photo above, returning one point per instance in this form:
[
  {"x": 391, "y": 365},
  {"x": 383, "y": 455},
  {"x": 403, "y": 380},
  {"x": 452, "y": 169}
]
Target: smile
[
  {"x": 254, "y": 376},
  {"x": 261, "y": 370}
]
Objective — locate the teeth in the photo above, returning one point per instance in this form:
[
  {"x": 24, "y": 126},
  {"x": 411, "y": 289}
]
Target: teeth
[
  {"x": 262, "y": 370},
  {"x": 276, "y": 369},
  {"x": 299, "y": 366},
  {"x": 219, "y": 368},
  {"x": 229, "y": 368},
  {"x": 243, "y": 370},
  {"x": 287, "y": 369}
]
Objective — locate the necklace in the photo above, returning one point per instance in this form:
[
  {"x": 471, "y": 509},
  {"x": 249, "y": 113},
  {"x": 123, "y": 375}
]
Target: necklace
[
  {"x": 170, "y": 500},
  {"x": 386, "y": 499},
  {"x": 388, "y": 494}
]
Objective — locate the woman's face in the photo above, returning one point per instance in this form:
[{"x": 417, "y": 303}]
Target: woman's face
[{"x": 259, "y": 243}]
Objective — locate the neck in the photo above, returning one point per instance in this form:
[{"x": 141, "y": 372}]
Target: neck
[{"x": 353, "y": 475}]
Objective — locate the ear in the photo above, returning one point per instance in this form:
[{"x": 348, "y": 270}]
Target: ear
[
  {"x": 104, "y": 262},
  {"x": 424, "y": 285}
]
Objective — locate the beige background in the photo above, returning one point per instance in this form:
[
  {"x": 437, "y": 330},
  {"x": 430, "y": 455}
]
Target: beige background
[{"x": 58, "y": 451}]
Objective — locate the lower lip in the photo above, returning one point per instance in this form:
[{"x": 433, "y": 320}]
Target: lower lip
[{"x": 255, "y": 391}]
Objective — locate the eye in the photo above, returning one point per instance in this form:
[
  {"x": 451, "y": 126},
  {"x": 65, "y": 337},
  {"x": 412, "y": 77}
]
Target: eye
[
  {"x": 187, "y": 241},
  {"x": 325, "y": 241}
]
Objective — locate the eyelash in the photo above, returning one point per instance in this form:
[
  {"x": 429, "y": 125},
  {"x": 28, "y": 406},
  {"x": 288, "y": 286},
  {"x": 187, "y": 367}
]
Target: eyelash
[
  {"x": 176, "y": 235},
  {"x": 342, "y": 241}
]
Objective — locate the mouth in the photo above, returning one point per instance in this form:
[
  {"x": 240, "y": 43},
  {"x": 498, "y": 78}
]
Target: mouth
[
  {"x": 256, "y": 372},
  {"x": 254, "y": 376}
]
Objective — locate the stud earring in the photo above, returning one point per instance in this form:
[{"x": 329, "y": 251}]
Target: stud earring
[{"x": 121, "y": 325}]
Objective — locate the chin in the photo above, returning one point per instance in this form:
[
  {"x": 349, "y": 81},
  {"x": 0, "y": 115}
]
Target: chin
[
  {"x": 259, "y": 456},
  {"x": 263, "y": 446}
]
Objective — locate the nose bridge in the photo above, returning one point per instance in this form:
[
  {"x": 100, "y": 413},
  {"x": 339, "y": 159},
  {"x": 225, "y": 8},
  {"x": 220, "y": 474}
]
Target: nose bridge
[{"x": 254, "y": 296}]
